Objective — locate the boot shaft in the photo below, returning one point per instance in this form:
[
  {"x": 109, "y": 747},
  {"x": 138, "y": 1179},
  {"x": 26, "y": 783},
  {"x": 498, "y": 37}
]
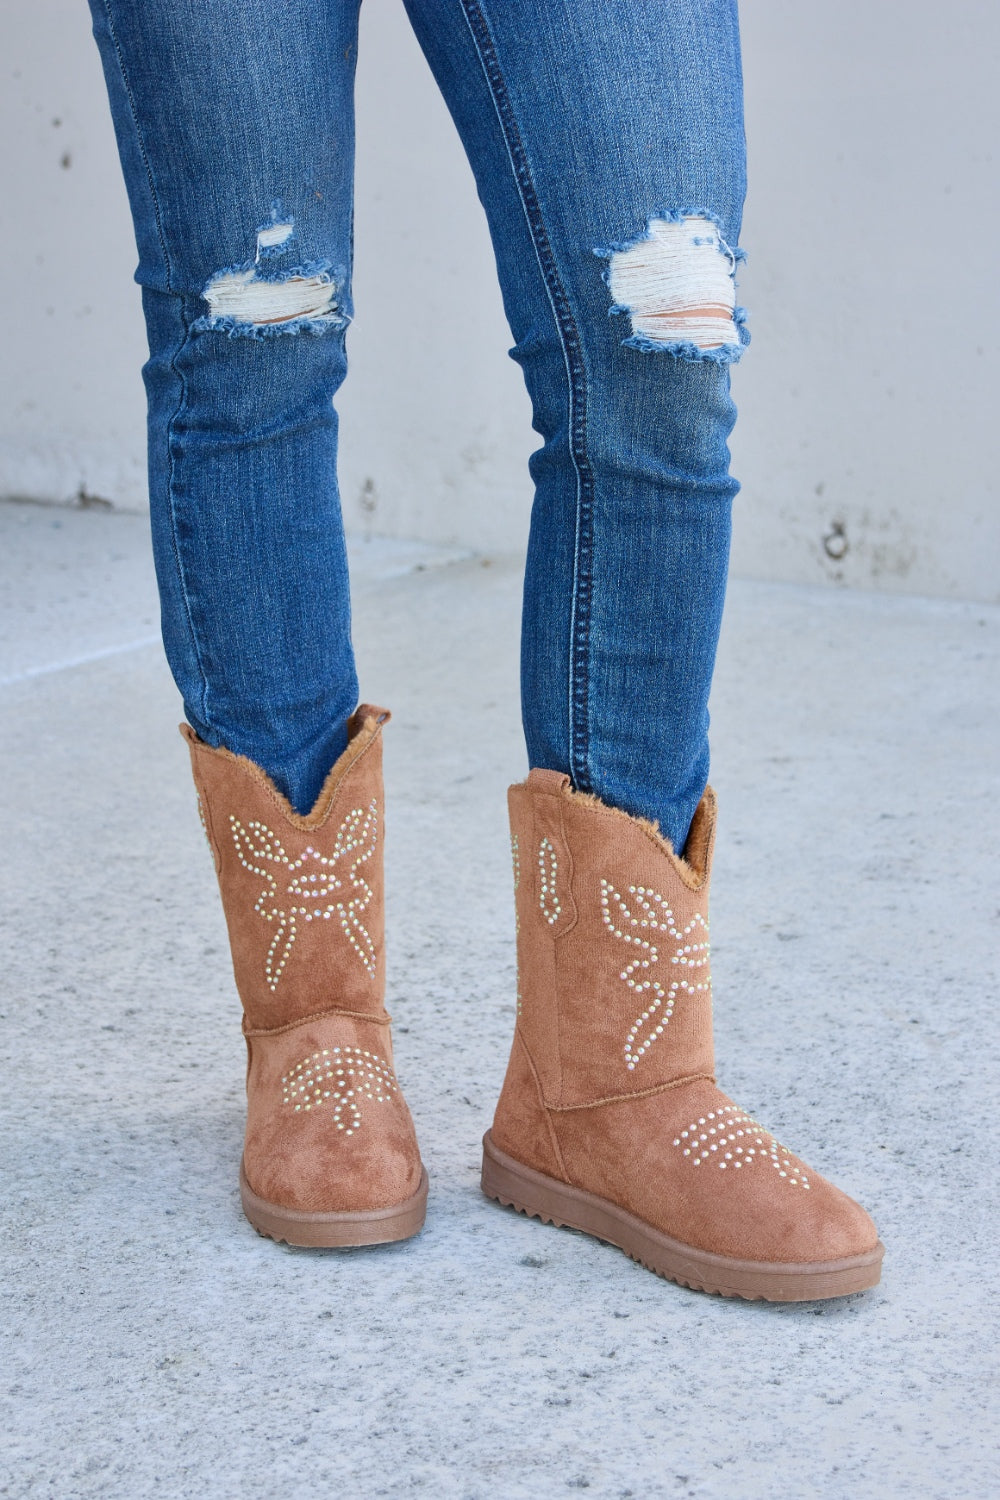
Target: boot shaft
[
  {"x": 302, "y": 895},
  {"x": 614, "y": 991}
]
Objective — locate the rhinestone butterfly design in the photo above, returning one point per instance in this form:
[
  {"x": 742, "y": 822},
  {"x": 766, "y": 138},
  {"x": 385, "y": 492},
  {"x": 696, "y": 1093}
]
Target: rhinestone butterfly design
[
  {"x": 635, "y": 919},
  {"x": 316, "y": 887}
]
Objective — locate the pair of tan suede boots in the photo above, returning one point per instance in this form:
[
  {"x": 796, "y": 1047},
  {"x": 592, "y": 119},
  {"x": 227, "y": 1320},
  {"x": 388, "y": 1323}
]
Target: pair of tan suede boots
[{"x": 609, "y": 1120}]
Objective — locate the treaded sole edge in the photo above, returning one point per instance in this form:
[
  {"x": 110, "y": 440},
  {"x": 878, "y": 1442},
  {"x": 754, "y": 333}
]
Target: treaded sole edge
[
  {"x": 335, "y": 1231},
  {"x": 533, "y": 1193}
]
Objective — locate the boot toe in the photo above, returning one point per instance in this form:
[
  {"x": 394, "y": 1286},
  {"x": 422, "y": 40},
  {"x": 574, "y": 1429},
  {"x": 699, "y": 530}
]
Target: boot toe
[
  {"x": 698, "y": 1168},
  {"x": 737, "y": 1191},
  {"x": 328, "y": 1128},
  {"x": 315, "y": 1170}
]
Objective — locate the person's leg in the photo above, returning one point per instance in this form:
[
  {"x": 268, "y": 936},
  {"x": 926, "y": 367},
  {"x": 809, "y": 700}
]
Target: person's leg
[
  {"x": 607, "y": 142},
  {"x": 235, "y": 127},
  {"x": 593, "y": 128}
]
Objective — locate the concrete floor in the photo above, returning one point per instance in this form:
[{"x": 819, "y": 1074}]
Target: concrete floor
[{"x": 154, "y": 1345}]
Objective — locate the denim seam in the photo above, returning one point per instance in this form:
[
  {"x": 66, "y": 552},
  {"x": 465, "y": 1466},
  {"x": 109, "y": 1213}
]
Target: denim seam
[
  {"x": 164, "y": 251},
  {"x": 578, "y": 705},
  {"x": 138, "y": 135}
]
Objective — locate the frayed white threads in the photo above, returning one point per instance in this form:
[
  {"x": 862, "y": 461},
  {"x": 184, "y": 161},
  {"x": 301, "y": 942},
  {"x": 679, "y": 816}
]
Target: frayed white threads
[
  {"x": 246, "y": 297},
  {"x": 677, "y": 284}
]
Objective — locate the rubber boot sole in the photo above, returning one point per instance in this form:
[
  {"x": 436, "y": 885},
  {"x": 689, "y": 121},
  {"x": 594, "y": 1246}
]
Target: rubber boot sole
[
  {"x": 541, "y": 1197},
  {"x": 377, "y": 1226}
]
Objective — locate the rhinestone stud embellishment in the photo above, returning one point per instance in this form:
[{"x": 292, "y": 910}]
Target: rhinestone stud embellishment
[
  {"x": 322, "y": 887},
  {"x": 730, "y": 1139},
  {"x": 635, "y": 920},
  {"x": 338, "y": 1078}
]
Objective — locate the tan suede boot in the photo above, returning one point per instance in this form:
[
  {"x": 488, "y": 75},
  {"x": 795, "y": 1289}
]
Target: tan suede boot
[
  {"x": 610, "y": 1120},
  {"x": 330, "y": 1156}
]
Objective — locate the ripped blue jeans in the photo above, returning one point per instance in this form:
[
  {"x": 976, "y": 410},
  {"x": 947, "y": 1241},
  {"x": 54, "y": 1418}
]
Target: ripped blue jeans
[{"x": 607, "y": 145}]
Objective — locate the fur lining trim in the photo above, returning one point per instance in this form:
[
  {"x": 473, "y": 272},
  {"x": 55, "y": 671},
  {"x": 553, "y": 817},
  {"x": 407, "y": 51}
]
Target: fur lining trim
[
  {"x": 694, "y": 866},
  {"x": 364, "y": 727}
]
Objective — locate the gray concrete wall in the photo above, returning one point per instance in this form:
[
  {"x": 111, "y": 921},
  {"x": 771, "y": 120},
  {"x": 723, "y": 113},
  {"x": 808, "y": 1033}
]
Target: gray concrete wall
[{"x": 867, "y": 397}]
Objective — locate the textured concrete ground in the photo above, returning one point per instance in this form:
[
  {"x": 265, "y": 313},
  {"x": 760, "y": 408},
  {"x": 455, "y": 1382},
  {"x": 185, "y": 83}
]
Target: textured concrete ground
[{"x": 154, "y": 1345}]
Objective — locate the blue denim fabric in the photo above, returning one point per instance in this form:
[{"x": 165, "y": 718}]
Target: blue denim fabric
[{"x": 584, "y": 120}]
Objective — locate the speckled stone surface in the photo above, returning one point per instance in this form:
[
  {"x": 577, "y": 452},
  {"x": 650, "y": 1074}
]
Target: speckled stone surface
[{"x": 154, "y": 1345}]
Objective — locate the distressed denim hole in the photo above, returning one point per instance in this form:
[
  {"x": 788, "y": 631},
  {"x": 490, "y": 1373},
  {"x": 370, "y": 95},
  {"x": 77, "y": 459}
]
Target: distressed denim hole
[
  {"x": 677, "y": 286},
  {"x": 243, "y": 301}
]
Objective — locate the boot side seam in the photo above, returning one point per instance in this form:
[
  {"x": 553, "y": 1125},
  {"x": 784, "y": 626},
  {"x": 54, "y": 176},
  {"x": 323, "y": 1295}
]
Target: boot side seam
[
  {"x": 562, "y": 928},
  {"x": 537, "y": 832},
  {"x": 208, "y": 824},
  {"x": 553, "y": 1138}
]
